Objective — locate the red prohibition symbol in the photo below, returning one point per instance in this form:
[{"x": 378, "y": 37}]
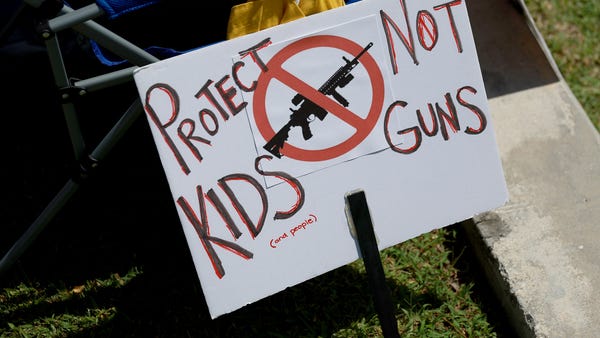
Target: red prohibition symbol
[{"x": 363, "y": 126}]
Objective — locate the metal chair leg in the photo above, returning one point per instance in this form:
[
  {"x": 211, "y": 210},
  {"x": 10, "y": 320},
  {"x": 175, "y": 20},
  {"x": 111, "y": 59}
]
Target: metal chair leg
[{"x": 71, "y": 187}]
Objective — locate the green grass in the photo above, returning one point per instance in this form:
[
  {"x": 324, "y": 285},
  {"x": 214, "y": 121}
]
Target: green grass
[
  {"x": 433, "y": 286},
  {"x": 29, "y": 309},
  {"x": 571, "y": 29},
  {"x": 430, "y": 297}
]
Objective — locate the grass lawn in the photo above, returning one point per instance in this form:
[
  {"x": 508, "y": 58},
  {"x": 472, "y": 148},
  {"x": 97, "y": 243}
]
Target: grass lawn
[
  {"x": 152, "y": 300},
  {"x": 571, "y": 30},
  {"x": 97, "y": 276}
]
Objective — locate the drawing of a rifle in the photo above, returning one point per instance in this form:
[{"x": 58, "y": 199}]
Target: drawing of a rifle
[{"x": 301, "y": 117}]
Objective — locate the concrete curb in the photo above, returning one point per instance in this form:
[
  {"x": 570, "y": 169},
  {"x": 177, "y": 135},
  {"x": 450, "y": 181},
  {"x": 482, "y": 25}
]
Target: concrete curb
[{"x": 539, "y": 251}]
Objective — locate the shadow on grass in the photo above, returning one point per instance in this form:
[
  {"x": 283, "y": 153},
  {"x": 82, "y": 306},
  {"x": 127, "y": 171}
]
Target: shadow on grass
[
  {"x": 125, "y": 218},
  {"x": 470, "y": 272},
  {"x": 173, "y": 306}
]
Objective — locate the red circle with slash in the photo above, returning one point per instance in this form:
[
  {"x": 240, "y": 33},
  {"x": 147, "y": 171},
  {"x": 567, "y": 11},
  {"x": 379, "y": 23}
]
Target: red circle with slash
[{"x": 275, "y": 71}]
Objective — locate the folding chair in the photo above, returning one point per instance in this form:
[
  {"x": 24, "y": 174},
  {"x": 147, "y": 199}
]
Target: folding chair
[
  {"x": 107, "y": 26},
  {"x": 55, "y": 18}
]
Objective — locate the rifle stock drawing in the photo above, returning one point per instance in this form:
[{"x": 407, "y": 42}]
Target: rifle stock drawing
[{"x": 301, "y": 117}]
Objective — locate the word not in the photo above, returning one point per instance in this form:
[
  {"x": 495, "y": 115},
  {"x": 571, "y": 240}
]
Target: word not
[
  {"x": 427, "y": 31},
  {"x": 207, "y": 119},
  {"x": 302, "y": 226},
  {"x": 441, "y": 121},
  {"x": 202, "y": 224}
]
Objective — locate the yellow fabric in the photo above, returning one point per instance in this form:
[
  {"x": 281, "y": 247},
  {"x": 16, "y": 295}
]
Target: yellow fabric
[{"x": 255, "y": 15}]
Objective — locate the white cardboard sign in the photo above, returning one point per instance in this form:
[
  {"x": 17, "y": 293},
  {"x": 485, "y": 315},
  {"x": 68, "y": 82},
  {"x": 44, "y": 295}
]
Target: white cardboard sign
[{"x": 262, "y": 136}]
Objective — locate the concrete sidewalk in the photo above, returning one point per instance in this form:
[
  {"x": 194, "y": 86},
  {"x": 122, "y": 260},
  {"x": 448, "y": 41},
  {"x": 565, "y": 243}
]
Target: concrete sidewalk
[{"x": 539, "y": 251}]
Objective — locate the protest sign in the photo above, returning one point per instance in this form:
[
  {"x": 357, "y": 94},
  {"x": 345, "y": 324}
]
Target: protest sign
[{"x": 262, "y": 136}]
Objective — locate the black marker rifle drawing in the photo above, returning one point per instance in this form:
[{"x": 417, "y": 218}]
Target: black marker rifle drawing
[{"x": 301, "y": 117}]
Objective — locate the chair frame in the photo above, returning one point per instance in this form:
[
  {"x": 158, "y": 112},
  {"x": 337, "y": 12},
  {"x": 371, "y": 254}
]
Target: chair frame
[{"x": 60, "y": 17}]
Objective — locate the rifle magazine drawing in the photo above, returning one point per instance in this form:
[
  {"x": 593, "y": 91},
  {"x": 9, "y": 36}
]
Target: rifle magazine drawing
[{"x": 308, "y": 110}]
